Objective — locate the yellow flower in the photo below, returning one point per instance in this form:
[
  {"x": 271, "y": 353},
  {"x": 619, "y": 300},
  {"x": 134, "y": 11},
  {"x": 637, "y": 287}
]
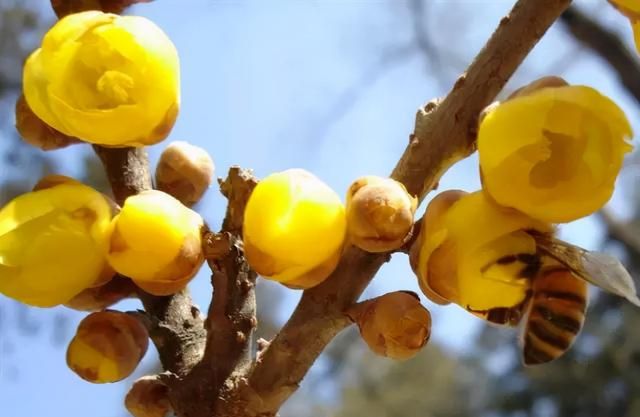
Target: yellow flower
[
  {"x": 107, "y": 347},
  {"x": 472, "y": 252},
  {"x": 155, "y": 241},
  {"x": 106, "y": 79},
  {"x": 631, "y": 9},
  {"x": 294, "y": 228},
  {"x": 52, "y": 243},
  {"x": 553, "y": 154}
]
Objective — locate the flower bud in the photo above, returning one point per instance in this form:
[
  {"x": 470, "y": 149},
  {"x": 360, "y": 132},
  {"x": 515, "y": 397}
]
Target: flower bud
[
  {"x": 631, "y": 9},
  {"x": 294, "y": 228},
  {"x": 148, "y": 397},
  {"x": 107, "y": 347},
  {"x": 155, "y": 240},
  {"x": 185, "y": 171},
  {"x": 474, "y": 253},
  {"x": 554, "y": 153},
  {"x": 395, "y": 325},
  {"x": 379, "y": 214},
  {"x": 36, "y": 132},
  {"x": 52, "y": 244},
  {"x": 103, "y": 296},
  {"x": 66, "y": 7},
  {"x": 125, "y": 76}
]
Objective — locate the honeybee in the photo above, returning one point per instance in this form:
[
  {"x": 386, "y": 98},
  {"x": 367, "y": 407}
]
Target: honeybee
[{"x": 555, "y": 305}]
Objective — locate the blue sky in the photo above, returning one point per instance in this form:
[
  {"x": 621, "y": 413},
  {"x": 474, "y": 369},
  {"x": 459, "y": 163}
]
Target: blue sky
[{"x": 272, "y": 85}]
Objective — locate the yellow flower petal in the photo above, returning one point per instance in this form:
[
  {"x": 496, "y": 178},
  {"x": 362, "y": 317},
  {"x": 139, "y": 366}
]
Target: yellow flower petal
[
  {"x": 52, "y": 243},
  {"x": 554, "y": 154}
]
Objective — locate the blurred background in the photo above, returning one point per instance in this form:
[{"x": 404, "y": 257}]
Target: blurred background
[{"x": 332, "y": 86}]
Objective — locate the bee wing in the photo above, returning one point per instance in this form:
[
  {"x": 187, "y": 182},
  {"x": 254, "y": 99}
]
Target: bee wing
[
  {"x": 607, "y": 272},
  {"x": 597, "y": 268}
]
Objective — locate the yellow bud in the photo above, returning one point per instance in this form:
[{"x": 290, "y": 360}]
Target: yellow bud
[
  {"x": 52, "y": 243},
  {"x": 379, "y": 214},
  {"x": 395, "y": 325},
  {"x": 184, "y": 171},
  {"x": 555, "y": 153},
  {"x": 36, "y": 132},
  {"x": 294, "y": 228},
  {"x": 155, "y": 240},
  {"x": 461, "y": 252},
  {"x": 103, "y": 296},
  {"x": 107, "y": 347},
  {"x": 148, "y": 397},
  {"x": 125, "y": 76}
]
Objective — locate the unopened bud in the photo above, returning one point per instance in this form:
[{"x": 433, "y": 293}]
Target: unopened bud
[
  {"x": 103, "y": 296},
  {"x": 148, "y": 397},
  {"x": 107, "y": 347},
  {"x": 156, "y": 241},
  {"x": 395, "y": 325},
  {"x": 36, "y": 132},
  {"x": 294, "y": 229},
  {"x": 379, "y": 214},
  {"x": 185, "y": 171}
]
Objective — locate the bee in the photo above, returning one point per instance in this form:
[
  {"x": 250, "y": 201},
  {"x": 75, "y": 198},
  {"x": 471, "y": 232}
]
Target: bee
[{"x": 554, "y": 307}]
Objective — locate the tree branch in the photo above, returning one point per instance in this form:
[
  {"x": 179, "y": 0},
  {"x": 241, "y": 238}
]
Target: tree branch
[
  {"x": 606, "y": 44},
  {"x": 232, "y": 313},
  {"x": 442, "y": 136},
  {"x": 176, "y": 327}
]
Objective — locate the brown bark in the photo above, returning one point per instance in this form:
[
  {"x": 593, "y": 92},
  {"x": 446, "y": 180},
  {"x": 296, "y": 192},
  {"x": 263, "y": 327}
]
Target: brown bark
[{"x": 232, "y": 313}]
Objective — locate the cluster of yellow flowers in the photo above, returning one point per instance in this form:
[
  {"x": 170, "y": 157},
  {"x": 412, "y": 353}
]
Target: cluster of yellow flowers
[
  {"x": 113, "y": 81},
  {"x": 549, "y": 154}
]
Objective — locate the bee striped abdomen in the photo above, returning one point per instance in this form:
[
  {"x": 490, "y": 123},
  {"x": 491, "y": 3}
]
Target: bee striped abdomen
[{"x": 555, "y": 317}]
